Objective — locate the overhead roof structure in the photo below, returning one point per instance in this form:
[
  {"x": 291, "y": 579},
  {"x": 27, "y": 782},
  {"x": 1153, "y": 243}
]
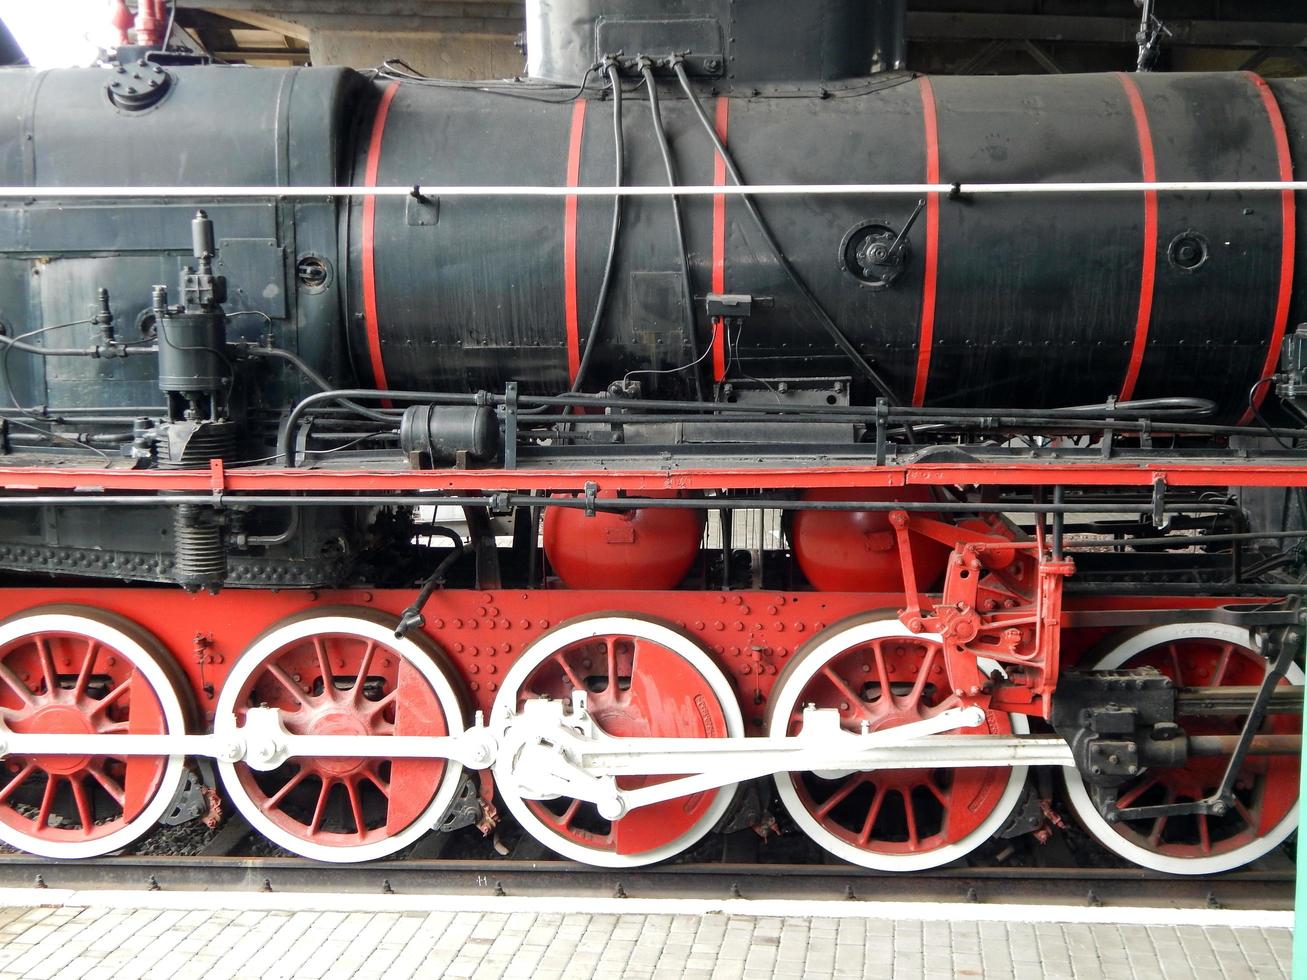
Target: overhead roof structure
[{"x": 467, "y": 38}]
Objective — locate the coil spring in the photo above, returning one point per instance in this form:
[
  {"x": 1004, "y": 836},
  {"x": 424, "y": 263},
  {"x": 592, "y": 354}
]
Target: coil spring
[{"x": 200, "y": 554}]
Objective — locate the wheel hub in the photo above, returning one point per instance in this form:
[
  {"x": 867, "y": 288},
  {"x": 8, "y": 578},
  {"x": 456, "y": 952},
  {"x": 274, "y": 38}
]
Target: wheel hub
[
  {"x": 60, "y": 719},
  {"x": 341, "y": 723}
]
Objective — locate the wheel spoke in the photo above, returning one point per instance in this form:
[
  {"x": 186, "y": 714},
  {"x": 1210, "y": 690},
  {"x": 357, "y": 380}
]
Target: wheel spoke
[
  {"x": 355, "y": 806},
  {"x": 610, "y": 647},
  {"x": 105, "y": 703},
  {"x": 1176, "y": 663},
  {"x": 1244, "y": 813},
  {"x": 320, "y": 810},
  {"x": 47, "y": 800},
  {"x": 275, "y": 799},
  {"x": 923, "y": 675},
  {"x": 379, "y": 781},
  {"x": 83, "y": 805},
  {"x": 873, "y": 811},
  {"x": 19, "y": 778},
  {"x": 855, "y": 702},
  {"x": 840, "y": 795},
  {"x": 882, "y": 672},
  {"x": 108, "y": 784},
  {"x": 565, "y": 819},
  {"x": 1204, "y": 833},
  {"x": 936, "y": 792},
  {"x": 364, "y": 666},
  {"x": 88, "y": 666},
  {"x": 374, "y": 708},
  {"x": 1222, "y": 665},
  {"x": 47, "y": 666},
  {"x": 1144, "y": 785},
  {"x": 18, "y": 686},
  {"x": 910, "y": 814},
  {"x": 1159, "y": 823},
  {"x": 572, "y": 677},
  {"x": 324, "y": 667},
  {"x": 277, "y": 673}
]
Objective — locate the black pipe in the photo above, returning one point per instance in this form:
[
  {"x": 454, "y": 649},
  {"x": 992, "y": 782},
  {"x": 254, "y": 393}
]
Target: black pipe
[
  {"x": 687, "y": 298},
  {"x": 828, "y": 324},
  {"x": 170, "y": 499},
  {"x": 95, "y": 350},
  {"x": 300, "y": 365},
  {"x": 605, "y": 283}
]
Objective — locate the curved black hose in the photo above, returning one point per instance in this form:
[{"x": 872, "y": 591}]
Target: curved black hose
[
  {"x": 619, "y": 169},
  {"x": 300, "y": 365},
  {"x": 656, "y": 114},
  {"x": 411, "y": 618},
  {"x": 829, "y": 325}
]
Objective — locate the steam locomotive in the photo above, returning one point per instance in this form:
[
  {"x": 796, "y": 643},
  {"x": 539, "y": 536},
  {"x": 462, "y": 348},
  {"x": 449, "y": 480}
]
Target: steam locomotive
[{"x": 703, "y": 432}]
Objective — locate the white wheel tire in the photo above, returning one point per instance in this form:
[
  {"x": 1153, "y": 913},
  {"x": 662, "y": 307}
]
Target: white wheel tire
[
  {"x": 1107, "y": 835},
  {"x": 173, "y": 714},
  {"x": 253, "y": 658},
  {"x": 570, "y": 633},
  {"x": 783, "y": 704}
]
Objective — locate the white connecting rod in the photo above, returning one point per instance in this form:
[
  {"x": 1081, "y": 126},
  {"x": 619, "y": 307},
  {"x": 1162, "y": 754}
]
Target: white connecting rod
[
  {"x": 549, "y": 752},
  {"x": 262, "y": 743}
]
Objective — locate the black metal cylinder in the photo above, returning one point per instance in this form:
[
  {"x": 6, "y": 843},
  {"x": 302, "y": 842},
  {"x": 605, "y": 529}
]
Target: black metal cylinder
[
  {"x": 191, "y": 355},
  {"x": 445, "y": 431},
  {"x": 1013, "y": 300}
]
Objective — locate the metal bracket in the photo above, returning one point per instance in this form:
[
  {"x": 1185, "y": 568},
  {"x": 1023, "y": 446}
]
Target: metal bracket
[
  {"x": 1160, "y": 519},
  {"x": 882, "y": 414},
  {"x": 510, "y": 425}
]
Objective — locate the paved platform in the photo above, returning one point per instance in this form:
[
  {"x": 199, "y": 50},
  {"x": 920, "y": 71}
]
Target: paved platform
[{"x": 179, "y": 936}]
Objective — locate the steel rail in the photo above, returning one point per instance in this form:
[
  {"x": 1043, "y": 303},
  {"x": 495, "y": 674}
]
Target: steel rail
[{"x": 1255, "y": 888}]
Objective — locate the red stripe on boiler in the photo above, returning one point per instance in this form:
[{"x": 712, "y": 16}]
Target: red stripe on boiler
[
  {"x": 719, "y": 238},
  {"x": 569, "y": 242},
  {"x": 931, "y": 124},
  {"x": 370, "y": 322},
  {"x": 1148, "y": 275},
  {"x": 1288, "y": 230}
]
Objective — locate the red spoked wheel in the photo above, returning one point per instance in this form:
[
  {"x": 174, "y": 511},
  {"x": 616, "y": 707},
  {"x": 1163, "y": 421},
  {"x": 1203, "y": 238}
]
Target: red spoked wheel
[
  {"x": 641, "y": 679},
  {"x": 74, "y": 670},
  {"x": 343, "y": 673},
  {"x": 1266, "y": 787},
  {"x": 876, "y": 672}
]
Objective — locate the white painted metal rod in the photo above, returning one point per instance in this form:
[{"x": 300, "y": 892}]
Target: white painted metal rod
[{"x": 696, "y": 190}]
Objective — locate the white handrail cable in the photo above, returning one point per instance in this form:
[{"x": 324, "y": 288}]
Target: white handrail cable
[{"x": 699, "y": 190}]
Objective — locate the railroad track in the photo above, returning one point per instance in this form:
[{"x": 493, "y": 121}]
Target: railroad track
[{"x": 1269, "y": 888}]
